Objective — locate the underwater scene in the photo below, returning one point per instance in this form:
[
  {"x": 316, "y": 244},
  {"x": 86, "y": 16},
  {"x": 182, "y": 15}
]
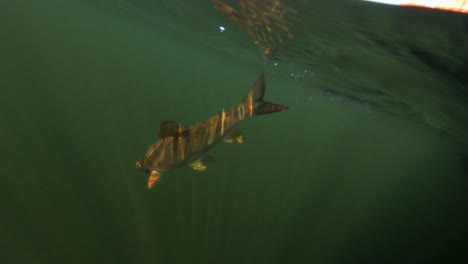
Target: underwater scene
[{"x": 233, "y": 131}]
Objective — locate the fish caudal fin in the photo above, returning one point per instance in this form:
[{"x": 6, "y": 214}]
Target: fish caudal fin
[
  {"x": 254, "y": 104},
  {"x": 153, "y": 178}
]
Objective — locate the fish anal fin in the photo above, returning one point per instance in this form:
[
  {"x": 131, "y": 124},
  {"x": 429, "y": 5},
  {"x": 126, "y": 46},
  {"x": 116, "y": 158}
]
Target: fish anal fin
[
  {"x": 171, "y": 128},
  {"x": 197, "y": 165},
  {"x": 235, "y": 137},
  {"x": 153, "y": 178}
]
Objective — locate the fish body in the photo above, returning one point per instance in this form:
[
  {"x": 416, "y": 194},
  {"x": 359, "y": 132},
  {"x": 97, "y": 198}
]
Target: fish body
[{"x": 178, "y": 145}]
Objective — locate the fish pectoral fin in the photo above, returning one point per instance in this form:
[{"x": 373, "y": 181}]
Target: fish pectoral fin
[
  {"x": 197, "y": 165},
  {"x": 235, "y": 137},
  {"x": 153, "y": 178}
]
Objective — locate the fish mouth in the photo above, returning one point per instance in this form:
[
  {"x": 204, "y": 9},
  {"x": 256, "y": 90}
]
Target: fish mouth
[
  {"x": 142, "y": 166},
  {"x": 138, "y": 165}
]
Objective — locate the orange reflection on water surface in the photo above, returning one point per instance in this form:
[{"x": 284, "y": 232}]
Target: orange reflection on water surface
[{"x": 266, "y": 21}]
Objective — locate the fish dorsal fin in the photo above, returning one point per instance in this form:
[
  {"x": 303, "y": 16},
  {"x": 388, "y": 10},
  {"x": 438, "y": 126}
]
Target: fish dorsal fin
[{"x": 171, "y": 128}]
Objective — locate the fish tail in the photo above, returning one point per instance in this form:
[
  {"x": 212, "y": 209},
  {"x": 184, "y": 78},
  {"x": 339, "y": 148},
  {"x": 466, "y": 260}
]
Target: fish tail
[{"x": 255, "y": 105}]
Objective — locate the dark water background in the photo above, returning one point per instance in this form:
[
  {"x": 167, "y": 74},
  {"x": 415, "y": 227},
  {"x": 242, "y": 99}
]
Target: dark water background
[{"x": 347, "y": 175}]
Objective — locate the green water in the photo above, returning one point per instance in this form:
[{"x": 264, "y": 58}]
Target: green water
[{"x": 328, "y": 181}]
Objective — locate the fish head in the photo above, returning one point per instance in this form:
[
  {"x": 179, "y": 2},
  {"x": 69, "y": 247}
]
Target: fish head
[
  {"x": 143, "y": 166},
  {"x": 149, "y": 166}
]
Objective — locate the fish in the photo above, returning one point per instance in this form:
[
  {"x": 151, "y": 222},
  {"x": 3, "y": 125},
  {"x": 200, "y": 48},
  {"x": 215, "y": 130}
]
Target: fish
[{"x": 178, "y": 145}]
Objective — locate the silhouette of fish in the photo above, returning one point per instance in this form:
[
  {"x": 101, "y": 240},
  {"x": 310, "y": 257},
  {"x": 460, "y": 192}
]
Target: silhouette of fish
[{"x": 178, "y": 145}]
